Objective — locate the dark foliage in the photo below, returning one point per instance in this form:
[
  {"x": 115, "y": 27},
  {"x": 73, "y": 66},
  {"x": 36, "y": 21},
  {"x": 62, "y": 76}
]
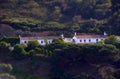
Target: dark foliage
[{"x": 88, "y": 16}]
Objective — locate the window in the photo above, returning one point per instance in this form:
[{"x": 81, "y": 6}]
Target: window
[
  {"x": 49, "y": 42},
  {"x": 80, "y": 40},
  {"x": 96, "y": 40},
  {"x": 41, "y": 41},
  {"x": 25, "y": 42},
  {"x": 84, "y": 41},
  {"x": 89, "y": 40},
  {"x": 73, "y": 40}
]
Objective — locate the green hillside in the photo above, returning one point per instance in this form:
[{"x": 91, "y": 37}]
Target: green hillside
[
  {"x": 60, "y": 60},
  {"x": 86, "y": 16}
]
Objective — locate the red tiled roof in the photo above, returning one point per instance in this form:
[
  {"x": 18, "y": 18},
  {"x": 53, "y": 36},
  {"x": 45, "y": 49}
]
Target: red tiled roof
[
  {"x": 90, "y": 36},
  {"x": 37, "y": 38}
]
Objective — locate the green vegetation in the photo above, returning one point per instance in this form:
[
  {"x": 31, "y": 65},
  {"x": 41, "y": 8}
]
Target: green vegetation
[
  {"x": 11, "y": 41},
  {"x": 61, "y": 60},
  {"x": 58, "y": 41},
  {"x": 113, "y": 40},
  {"x": 32, "y": 44},
  {"x": 19, "y": 52},
  {"x": 5, "y": 70},
  {"x": 86, "y": 16}
]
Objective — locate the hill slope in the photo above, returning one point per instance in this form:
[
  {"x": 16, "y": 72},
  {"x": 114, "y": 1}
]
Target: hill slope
[{"x": 93, "y": 16}]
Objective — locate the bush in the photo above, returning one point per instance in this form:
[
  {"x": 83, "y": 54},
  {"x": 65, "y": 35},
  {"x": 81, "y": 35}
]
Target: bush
[
  {"x": 4, "y": 50},
  {"x": 19, "y": 52},
  {"x": 6, "y": 76},
  {"x": 32, "y": 44},
  {"x": 12, "y": 41},
  {"x": 5, "y": 68},
  {"x": 111, "y": 40}
]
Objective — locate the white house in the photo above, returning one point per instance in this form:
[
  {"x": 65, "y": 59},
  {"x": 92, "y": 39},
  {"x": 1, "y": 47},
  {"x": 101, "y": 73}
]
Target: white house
[
  {"x": 88, "y": 38},
  {"x": 77, "y": 38},
  {"x": 42, "y": 40},
  {"x": 68, "y": 40}
]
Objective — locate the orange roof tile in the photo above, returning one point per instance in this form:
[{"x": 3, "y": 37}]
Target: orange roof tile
[
  {"x": 38, "y": 38},
  {"x": 90, "y": 36}
]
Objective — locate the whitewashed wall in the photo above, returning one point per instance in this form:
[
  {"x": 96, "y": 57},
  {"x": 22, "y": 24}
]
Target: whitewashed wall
[
  {"x": 23, "y": 41},
  {"x": 41, "y": 41},
  {"x": 74, "y": 39},
  {"x": 87, "y": 40},
  {"x": 68, "y": 40}
]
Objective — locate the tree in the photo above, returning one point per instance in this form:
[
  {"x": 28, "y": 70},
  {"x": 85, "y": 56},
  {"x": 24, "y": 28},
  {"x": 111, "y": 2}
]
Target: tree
[
  {"x": 112, "y": 40},
  {"x": 5, "y": 52},
  {"x": 19, "y": 52},
  {"x": 100, "y": 53},
  {"x": 5, "y": 70},
  {"x": 12, "y": 41},
  {"x": 32, "y": 44},
  {"x": 58, "y": 41},
  {"x": 40, "y": 52}
]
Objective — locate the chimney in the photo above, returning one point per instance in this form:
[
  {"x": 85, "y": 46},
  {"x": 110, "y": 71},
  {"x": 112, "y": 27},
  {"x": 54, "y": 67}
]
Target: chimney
[
  {"x": 19, "y": 36},
  {"x": 62, "y": 36},
  {"x": 105, "y": 34},
  {"x": 75, "y": 34}
]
